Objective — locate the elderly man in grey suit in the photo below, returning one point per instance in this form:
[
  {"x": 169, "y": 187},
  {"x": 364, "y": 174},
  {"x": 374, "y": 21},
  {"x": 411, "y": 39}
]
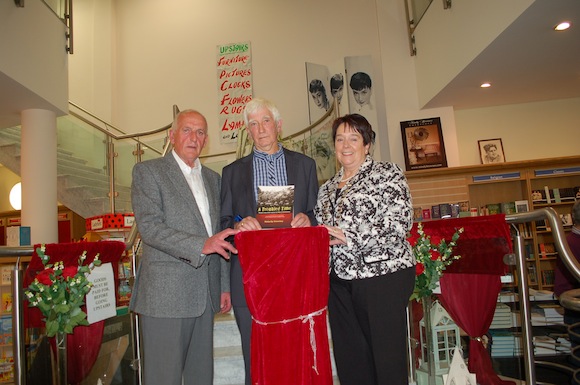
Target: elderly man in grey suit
[
  {"x": 183, "y": 277},
  {"x": 269, "y": 164}
]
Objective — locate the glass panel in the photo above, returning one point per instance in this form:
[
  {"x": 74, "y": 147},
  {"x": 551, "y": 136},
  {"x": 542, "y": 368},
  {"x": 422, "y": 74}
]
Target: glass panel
[{"x": 418, "y": 9}]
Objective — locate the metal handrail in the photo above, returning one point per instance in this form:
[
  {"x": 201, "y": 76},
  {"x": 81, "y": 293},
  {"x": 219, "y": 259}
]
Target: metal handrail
[{"x": 519, "y": 259}]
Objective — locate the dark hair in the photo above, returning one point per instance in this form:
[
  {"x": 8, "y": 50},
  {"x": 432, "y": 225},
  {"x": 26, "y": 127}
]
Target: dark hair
[
  {"x": 316, "y": 85},
  {"x": 360, "y": 80},
  {"x": 488, "y": 147},
  {"x": 336, "y": 82},
  {"x": 358, "y": 123}
]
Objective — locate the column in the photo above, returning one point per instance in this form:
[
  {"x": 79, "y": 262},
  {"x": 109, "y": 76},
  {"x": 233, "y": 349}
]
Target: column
[{"x": 38, "y": 175}]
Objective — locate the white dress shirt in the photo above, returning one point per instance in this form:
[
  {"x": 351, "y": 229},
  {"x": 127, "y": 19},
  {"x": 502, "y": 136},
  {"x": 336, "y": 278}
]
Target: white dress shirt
[{"x": 195, "y": 181}]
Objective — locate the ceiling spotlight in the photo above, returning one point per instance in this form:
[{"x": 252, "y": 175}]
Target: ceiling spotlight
[
  {"x": 485, "y": 85},
  {"x": 562, "y": 26}
]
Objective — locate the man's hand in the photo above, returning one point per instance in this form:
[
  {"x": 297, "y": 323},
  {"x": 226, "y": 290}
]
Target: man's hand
[
  {"x": 218, "y": 244},
  {"x": 225, "y": 303},
  {"x": 247, "y": 224},
  {"x": 300, "y": 220}
]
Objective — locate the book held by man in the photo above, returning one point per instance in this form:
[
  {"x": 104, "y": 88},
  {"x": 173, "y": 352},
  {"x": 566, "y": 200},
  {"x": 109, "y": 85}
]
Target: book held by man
[{"x": 275, "y": 206}]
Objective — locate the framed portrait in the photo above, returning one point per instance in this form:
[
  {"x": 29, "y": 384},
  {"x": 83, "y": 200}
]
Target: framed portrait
[
  {"x": 423, "y": 144},
  {"x": 491, "y": 151}
]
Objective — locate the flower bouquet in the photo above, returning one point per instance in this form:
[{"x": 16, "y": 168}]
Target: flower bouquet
[
  {"x": 59, "y": 292},
  {"x": 432, "y": 259}
]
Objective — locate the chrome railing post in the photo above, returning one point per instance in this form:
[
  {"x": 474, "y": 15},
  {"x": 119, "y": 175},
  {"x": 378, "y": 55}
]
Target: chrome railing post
[
  {"x": 18, "y": 333},
  {"x": 111, "y": 155}
]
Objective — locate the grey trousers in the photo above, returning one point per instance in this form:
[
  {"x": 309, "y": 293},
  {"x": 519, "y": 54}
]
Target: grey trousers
[{"x": 177, "y": 349}]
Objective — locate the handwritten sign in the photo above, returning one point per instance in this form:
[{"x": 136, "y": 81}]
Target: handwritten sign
[
  {"x": 234, "y": 75},
  {"x": 101, "y": 299}
]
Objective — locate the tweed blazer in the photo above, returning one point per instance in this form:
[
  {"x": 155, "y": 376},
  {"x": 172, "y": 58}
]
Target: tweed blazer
[{"x": 173, "y": 279}]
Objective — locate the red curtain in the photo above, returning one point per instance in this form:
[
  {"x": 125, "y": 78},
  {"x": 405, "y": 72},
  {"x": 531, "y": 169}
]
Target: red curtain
[
  {"x": 84, "y": 344},
  {"x": 286, "y": 283},
  {"x": 470, "y": 286}
]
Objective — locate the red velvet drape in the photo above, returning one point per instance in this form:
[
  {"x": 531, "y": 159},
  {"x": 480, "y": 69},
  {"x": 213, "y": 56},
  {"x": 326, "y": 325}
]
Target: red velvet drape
[
  {"x": 286, "y": 284},
  {"x": 470, "y": 286},
  {"x": 84, "y": 344}
]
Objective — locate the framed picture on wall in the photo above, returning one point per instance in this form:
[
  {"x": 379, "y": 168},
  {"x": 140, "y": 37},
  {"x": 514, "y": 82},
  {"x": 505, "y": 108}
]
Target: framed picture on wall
[
  {"x": 423, "y": 144},
  {"x": 491, "y": 151}
]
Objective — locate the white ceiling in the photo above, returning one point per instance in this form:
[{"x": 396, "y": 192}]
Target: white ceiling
[{"x": 528, "y": 62}]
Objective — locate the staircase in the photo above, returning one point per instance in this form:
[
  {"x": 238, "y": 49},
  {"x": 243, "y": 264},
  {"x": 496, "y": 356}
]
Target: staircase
[{"x": 80, "y": 187}]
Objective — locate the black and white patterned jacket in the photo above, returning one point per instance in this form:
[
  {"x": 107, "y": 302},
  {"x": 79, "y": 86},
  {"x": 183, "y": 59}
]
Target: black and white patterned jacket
[{"x": 374, "y": 210}]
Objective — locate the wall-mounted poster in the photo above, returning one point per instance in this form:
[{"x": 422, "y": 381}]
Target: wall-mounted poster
[
  {"x": 423, "y": 144},
  {"x": 318, "y": 90},
  {"x": 234, "y": 78}
]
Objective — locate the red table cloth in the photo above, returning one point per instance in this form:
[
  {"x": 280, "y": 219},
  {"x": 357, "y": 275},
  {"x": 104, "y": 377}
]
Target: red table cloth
[
  {"x": 470, "y": 286},
  {"x": 84, "y": 344},
  {"x": 286, "y": 282}
]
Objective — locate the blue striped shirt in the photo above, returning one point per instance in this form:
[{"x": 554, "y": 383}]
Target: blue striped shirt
[{"x": 269, "y": 170}]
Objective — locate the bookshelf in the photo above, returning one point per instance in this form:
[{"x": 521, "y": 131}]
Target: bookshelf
[{"x": 506, "y": 187}]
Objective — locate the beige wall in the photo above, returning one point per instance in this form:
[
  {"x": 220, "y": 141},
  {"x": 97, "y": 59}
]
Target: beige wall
[
  {"x": 135, "y": 59},
  {"x": 528, "y": 131}
]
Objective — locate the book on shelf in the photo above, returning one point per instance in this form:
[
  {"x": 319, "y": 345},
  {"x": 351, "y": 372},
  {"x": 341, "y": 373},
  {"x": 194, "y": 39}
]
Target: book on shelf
[
  {"x": 508, "y": 207},
  {"x": 455, "y": 210},
  {"x": 417, "y": 214},
  {"x": 445, "y": 210},
  {"x": 566, "y": 219},
  {"x": 577, "y": 193},
  {"x": 567, "y": 194},
  {"x": 522, "y": 206},
  {"x": 275, "y": 206},
  {"x": 547, "y": 277},
  {"x": 556, "y": 194},
  {"x": 435, "y": 212},
  {"x": 6, "y": 274},
  {"x": 532, "y": 275},
  {"x": 547, "y": 194},
  {"x": 463, "y": 206},
  {"x": 6, "y": 302},
  {"x": 426, "y": 214},
  {"x": 493, "y": 208}
]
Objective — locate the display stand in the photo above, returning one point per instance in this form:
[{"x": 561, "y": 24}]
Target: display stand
[
  {"x": 470, "y": 286},
  {"x": 286, "y": 282},
  {"x": 84, "y": 344}
]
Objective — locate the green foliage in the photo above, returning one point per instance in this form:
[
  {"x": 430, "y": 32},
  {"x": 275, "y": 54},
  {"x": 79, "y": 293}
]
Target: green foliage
[
  {"x": 432, "y": 259},
  {"x": 59, "y": 293}
]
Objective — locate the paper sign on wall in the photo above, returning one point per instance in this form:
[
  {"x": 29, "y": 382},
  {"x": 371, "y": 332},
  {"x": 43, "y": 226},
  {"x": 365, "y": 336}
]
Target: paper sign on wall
[
  {"x": 234, "y": 74},
  {"x": 101, "y": 299}
]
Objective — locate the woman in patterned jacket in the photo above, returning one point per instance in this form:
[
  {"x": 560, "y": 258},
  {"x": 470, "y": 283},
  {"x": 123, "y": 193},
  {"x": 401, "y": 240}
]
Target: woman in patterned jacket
[{"x": 367, "y": 210}]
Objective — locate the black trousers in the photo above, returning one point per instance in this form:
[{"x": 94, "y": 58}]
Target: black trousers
[{"x": 369, "y": 328}]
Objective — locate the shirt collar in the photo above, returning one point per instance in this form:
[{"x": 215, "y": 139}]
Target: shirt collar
[
  {"x": 262, "y": 155},
  {"x": 183, "y": 166}
]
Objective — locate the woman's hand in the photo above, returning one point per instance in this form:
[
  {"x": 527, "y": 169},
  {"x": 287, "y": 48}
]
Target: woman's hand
[{"x": 337, "y": 236}]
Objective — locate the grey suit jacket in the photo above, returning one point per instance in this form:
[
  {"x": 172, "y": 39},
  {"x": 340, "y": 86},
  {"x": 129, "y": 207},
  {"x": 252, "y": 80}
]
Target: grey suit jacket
[
  {"x": 173, "y": 279},
  {"x": 237, "y": 197}
]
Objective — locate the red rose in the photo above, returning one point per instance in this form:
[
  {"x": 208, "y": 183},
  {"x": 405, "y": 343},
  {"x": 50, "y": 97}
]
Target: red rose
[
  {"x": 69, "y": 271},
  {"x": 435, "y": 255},
  {"x": 419, "y": 268},
  {"x": 44, "y": 276}
]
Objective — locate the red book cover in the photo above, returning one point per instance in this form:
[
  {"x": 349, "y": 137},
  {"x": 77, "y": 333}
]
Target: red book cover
[{"x": 275, "y": 206}]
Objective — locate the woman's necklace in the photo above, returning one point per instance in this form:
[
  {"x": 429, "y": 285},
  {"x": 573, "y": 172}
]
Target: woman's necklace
[{"x": 347, "y": 179}]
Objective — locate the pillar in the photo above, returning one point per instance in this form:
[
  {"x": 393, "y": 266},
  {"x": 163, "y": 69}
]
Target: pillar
[{"x": 38, "y": 175}]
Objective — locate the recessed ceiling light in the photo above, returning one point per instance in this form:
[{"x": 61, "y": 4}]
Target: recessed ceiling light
[
  {"x": 485, "y": 85},
  {"x": 562, "y": 26}
]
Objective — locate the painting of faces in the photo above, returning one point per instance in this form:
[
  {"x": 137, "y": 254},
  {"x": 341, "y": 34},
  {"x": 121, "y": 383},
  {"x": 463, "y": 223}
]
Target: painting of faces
[
  {"x": 318, "y": 88},
  {"x": 359, "y": 81}
]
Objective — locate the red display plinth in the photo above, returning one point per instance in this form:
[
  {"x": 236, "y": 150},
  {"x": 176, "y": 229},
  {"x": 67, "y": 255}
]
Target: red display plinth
[{"x": 286, "y": 283}]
